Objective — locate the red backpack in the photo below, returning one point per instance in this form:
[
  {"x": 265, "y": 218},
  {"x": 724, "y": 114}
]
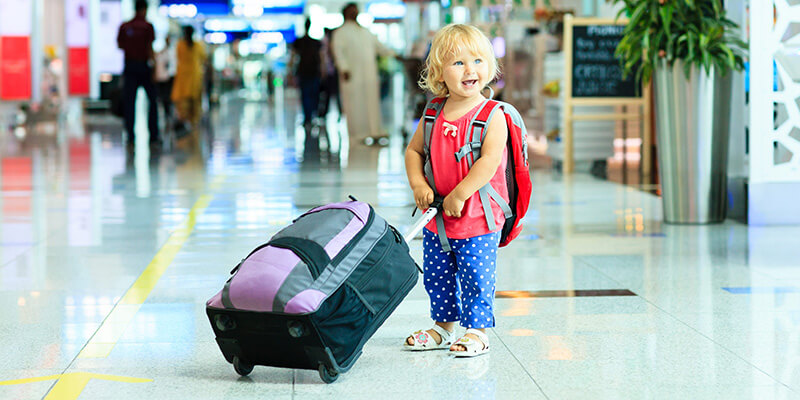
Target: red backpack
[{"x": 518, "y": 177}]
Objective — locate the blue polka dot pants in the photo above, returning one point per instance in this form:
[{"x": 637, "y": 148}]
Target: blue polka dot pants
[{"x": 461, "y": 282}]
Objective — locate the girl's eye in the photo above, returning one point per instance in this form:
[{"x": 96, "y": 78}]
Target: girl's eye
[
  {"x": 458, "y": 63},
  {"x": 478, "y": 61}
]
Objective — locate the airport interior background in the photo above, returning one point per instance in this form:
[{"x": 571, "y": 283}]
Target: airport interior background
[{"x": 110, "y": 248}]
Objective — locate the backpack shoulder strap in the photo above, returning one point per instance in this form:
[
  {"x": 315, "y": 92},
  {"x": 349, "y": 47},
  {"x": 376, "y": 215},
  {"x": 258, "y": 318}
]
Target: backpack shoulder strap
[
  {"x": 432, "y": 111},
  {"x": 477, "y": 130},
  {"x": 516, "y": 118}
]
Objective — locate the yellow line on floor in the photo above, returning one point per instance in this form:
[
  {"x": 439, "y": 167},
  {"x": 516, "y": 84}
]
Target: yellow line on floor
[
  {"x": 70, "y": 385},
  {"x": 112, "y": 328}
]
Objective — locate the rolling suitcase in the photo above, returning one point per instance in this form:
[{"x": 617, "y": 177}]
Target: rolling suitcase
[{"x": 316, "y": 292}]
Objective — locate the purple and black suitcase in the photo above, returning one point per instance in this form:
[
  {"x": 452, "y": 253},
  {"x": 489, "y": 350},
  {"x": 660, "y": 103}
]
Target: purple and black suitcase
[{"x": 316, "y": 292}]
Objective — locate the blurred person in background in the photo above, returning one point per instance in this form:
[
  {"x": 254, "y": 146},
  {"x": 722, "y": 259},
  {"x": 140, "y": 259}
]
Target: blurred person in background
[
  {"x": 135, "y": 38},
  {"x": 306, "y": 62},
  {"x": 187, "y": 88},
  {"x": 329, "y": 88},
  {"x": 355, "y": 51},
  {"x": 165, "y": 75}
]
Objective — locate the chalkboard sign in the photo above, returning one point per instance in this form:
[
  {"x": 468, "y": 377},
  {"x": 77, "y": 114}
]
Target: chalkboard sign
[{"x": 596, "y": 72}]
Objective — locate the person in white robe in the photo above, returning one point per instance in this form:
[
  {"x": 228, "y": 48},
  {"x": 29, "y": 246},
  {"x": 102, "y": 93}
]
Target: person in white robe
[{"x": 355, "y": 51}]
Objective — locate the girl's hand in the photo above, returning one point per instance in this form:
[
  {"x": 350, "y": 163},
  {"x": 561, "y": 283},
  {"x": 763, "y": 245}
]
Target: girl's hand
[
  {"x": 423, "y": 196},
  {"x": 452, "y": 205}
]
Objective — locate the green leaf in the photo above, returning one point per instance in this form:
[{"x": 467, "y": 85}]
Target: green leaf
[
  {"x": 653, "y": 12},
  {"x": 706, "y": 61},
  {"x": 666, "y": 18},
  {"x": 731, "y": 59},
  {"x": 717, "y": 8},
  {"x": 619, "y": 14},
  {"x": 703, "y": 42},
  {"x": 638, "y": 14}
]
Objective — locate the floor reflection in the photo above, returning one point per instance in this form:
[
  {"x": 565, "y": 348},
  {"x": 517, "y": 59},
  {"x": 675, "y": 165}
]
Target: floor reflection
[{"x": 597, "y": 297}]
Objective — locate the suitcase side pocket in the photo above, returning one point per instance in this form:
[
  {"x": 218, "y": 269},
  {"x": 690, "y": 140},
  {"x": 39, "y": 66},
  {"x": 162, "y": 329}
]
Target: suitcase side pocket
[
  {"x": 373, "y": 269},
  {"x": 389, "y": 273}
]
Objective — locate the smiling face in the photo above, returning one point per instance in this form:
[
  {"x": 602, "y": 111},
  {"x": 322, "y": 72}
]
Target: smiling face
[
  {"x": 465, "y": 74},
  {"x": 460, "y": 62}
]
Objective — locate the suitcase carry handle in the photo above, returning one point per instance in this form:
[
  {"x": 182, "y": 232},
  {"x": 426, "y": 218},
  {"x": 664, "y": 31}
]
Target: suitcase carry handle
[{"x": 429, "y": 214}]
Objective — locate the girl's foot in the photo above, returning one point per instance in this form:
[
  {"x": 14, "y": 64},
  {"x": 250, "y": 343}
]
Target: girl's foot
[
  {"x": 432, "y": 339},
  {"x": 473, "y": 343}
]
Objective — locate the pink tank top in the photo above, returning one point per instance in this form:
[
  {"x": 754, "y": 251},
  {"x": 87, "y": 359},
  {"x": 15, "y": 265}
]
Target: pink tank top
[{"x": 448, "y": 173}]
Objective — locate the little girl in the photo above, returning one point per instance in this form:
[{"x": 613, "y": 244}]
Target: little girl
[{"x": 460, "y": 282}]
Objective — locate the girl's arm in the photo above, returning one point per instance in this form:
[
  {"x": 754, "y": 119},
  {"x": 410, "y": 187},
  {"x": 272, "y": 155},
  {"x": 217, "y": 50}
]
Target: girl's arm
[
  {"x": 415, "y": 162},
  {"x": 482, "y": 170}
]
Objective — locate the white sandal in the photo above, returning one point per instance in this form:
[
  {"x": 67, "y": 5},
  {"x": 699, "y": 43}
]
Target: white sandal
[
  {"x": 472, "y": 347},
  {"x": 425, "y": 341}
]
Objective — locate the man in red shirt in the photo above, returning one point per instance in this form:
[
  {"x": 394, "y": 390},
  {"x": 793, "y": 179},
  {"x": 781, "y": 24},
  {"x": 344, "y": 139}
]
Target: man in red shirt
[{"x": 135, "y": 38}]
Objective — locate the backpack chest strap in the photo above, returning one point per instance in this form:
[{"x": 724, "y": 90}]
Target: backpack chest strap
[
  {"x": 470, "y": 147},
  {"x": 477, "y": 131}
]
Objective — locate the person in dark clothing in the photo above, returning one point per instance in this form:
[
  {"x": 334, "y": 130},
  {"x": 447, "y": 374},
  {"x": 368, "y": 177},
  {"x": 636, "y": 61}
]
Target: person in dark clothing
[
  {"x": 329, "y": 88},
  {"x": 135, "y": 38},
  {"x": 308, "y": 53}
]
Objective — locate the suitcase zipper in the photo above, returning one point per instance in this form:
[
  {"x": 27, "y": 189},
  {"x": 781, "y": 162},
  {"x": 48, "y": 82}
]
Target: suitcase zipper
[
  {"x": 361, "y": 297},
  {"x": 380, "y": 318},
  {"x": 317, "y": 209},
  {"x": 374, "y": 267}
]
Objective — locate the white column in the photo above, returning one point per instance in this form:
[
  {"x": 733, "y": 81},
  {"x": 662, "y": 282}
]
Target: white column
[
  {"x": 774, "y": 182},
  {"x": 37, "y": 50},
  {"x": 738, "y": 160},
  {"x": 94, "y": 54},
  {"x": 434, "y": 10},
  {"x": 761, "y": 94},
  {"x": 53, "y": 28}
]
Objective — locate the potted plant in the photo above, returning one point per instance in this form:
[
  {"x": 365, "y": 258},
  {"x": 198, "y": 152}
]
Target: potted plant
[{"x": 688, "y": 49}]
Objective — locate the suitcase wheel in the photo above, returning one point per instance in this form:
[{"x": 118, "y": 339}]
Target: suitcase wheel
[
  {"x": 327, "y": 375},
  {"x": 296, "y": 329},
  {"x": 242, "y": 368},
  {"x": 224, "y": 322}
]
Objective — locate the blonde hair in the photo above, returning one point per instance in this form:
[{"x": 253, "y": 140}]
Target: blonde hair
[{"x": 449, "y": 41}]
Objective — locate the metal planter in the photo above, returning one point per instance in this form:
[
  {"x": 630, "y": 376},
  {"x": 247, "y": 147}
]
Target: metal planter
[{"x": 692, "y": 130}]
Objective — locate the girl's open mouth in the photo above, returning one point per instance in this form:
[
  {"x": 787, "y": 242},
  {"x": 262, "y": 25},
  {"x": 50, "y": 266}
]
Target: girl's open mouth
[{"x": 469, "y": 83}]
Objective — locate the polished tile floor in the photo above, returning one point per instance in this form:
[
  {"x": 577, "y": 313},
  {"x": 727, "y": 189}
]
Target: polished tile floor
[{"x": 106, "y": 262}]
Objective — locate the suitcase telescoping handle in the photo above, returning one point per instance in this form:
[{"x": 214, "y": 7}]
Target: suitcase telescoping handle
[{"x": 427, "y": 216}]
